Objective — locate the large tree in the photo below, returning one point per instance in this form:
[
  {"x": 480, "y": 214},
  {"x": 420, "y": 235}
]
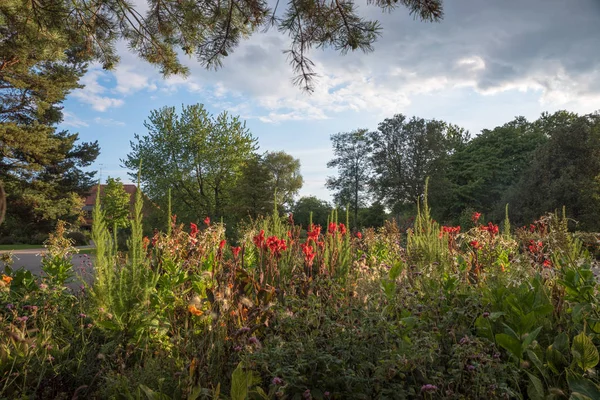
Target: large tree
[
  {"x": 406, "y": 151},
  {"x": 483, "y": 175},
  {"x": 563, "y": 171},
  {"x": 265, "y": 179},
  {"x": 306, "y": 205},
  {"x": 210, "y": 30},
  {"x": 198, "y": 155},
  {"x": 284, "y": 176},
  {"x": 352, "y": 152}
]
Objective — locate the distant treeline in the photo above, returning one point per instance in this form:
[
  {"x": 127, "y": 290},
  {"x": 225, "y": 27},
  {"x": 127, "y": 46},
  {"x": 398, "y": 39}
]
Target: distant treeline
[{"x": 535, "y": 167}]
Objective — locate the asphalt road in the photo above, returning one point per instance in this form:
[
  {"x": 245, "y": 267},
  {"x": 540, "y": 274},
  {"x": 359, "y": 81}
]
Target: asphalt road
[{"x": 31, "y": 260}]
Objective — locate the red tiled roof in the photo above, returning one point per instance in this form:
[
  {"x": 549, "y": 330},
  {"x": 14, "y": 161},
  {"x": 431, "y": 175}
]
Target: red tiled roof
[{"x": 90, "y": 200}]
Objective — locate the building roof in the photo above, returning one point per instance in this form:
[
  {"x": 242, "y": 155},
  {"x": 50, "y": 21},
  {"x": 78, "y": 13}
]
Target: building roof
[{"x": 90, "y": 200}]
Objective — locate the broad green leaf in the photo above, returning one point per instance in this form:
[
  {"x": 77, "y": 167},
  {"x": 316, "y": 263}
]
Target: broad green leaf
[
  {"x": 536, "y": 361},
  {"x": 585, "y": 353},
  {"x": 535, "y": 388},
  {"x": 582, "y": 386},
  {"x": 531, "y": 337},
  {"x": 511, "y": 344},
  {"x": 483, "y": 328}
]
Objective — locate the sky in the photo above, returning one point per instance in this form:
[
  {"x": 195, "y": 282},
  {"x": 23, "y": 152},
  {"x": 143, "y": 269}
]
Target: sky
[{"x": 483, "y": 64}]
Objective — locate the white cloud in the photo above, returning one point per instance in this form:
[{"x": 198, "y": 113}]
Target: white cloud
[
  {"x": 70, "y": 119},
  {"x": 108, "y": 122},
  {"x": 92, "y": 92}
]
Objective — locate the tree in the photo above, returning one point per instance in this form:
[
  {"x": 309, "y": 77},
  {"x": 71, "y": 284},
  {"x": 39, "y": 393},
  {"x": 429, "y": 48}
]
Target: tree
[
  {"x": 40, "y": 191},
  {"x": 564, "y": 171},
  {"x": 115, "y": 203},
  {"x": 210, "y": 30},
  {"x": 252, "y": 195},
  {"x": 198, "y": 155},
  {"x": 284, "y": 175},
  {"x": 305, "y": 205},
  {"x": 405, "y": 152},
  {"x": 483, "y": 175},
  {"x": 352, "y": 152}
]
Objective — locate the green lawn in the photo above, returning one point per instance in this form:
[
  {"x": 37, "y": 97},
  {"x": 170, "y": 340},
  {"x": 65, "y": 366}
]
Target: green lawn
[{"x": 20, "y": 246}]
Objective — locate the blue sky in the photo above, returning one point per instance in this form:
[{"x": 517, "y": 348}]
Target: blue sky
[{"x": 485, "y": 63}]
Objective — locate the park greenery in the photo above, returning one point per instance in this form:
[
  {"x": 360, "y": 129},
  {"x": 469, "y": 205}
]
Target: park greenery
[
  {"x": 307, "y": 312},
  {"x": 448, "y": 266}
]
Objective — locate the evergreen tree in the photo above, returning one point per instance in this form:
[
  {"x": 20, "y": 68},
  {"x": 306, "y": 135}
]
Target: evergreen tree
[{"x": 210, "y": 30}]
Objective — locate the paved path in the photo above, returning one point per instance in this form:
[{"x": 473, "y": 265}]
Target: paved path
[{"x": 31, "y": 260}]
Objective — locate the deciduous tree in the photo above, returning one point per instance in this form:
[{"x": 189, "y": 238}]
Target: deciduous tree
[
  {"x": 198, "y": 155},
  {"x": 352, "y": 152}
]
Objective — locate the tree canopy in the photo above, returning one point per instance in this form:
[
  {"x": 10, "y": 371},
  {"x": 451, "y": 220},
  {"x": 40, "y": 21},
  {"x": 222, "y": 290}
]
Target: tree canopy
[
  {"x": 209, "y": 30},
  {"x": 199, "y": 155}
]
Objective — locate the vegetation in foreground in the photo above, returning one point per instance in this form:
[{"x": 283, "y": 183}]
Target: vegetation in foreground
[{"x": 436, "y": 312}]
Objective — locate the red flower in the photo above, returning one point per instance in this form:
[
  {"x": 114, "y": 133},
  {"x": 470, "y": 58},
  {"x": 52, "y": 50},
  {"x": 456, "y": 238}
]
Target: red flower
[
  {"x": 332, "y": 228},
  {"x": 276, "y": 245},
  {"x": 532, "y": 228},
  {"x": 313, "y": 232},
  {"x": 450, "y": 230},
  {"x": 475, "y": 244},
  {"x": 193, "y": 230},
  {"x": 308, "y": 252},
  {"x": 491, "y": 228},
  {"x": 235, "y": 251},
  {"x": 342, "y": 229},
  {"x": 475, "y": 217},
  {"x": 222, "y": 244},
  {"x": 547, "y": 264},
  {"x": 207, "y": 221},
  {"x": 359, "y": 235},
  {"x": 259, "y": 239}
]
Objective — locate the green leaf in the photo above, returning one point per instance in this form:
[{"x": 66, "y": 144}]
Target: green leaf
[
  {"x": 585, "y": 353},
  {"x": 511, "y": 344},
  {"x": 536, "y": 361},
  {"x": 152, "y": 395},
  {"x": 555, "y": 354},
  {"x": 535, "y": 389},
  {"x": 531, "y": 337},
  {"x": 581, "y": 386},
  {"x": 241, "y": 382}
]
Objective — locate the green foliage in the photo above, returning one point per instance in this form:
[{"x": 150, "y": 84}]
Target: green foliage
[
  {"x": 310, "y": 206},
  {"x": 352, "y": 151},
  {"x": 198, "y": 155},
  {"x": 115, "y": 203},
  {"x": 406, "y": 151}
]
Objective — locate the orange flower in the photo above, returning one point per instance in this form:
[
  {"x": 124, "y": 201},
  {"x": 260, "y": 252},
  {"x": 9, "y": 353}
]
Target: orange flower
[
  {"x": 6, "y": 279},
  {"x": 193, "y": 310}
]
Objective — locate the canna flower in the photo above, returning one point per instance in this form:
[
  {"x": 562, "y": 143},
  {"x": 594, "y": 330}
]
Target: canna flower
[
  {"x": 342, "y": 229},
  {"x": 194, "y": 311},
  {"x": 359, "y": 235},
  {"x": 207, "y": 221},
  {"x": 308, "y": 252},
  {"x": 6, "y": 279},
  {"x": 475, "y": 217},
  {"x": 194, "y": 229},
  {"x": 235, "y": 251},
  {"x": 491, "y": 228},
  {"x": 222, "y": 244},
  {"x": 332, "y": 228},
  {"x": 475, "y": 245},
  {"x": 547, "y": 264},
  {"x": 313, "y": 232},
  {"x": 259, "y": 240}
]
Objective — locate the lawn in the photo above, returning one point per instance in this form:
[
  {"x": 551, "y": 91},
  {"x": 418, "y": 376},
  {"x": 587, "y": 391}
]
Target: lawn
[{"x": 5, "y": 247}]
